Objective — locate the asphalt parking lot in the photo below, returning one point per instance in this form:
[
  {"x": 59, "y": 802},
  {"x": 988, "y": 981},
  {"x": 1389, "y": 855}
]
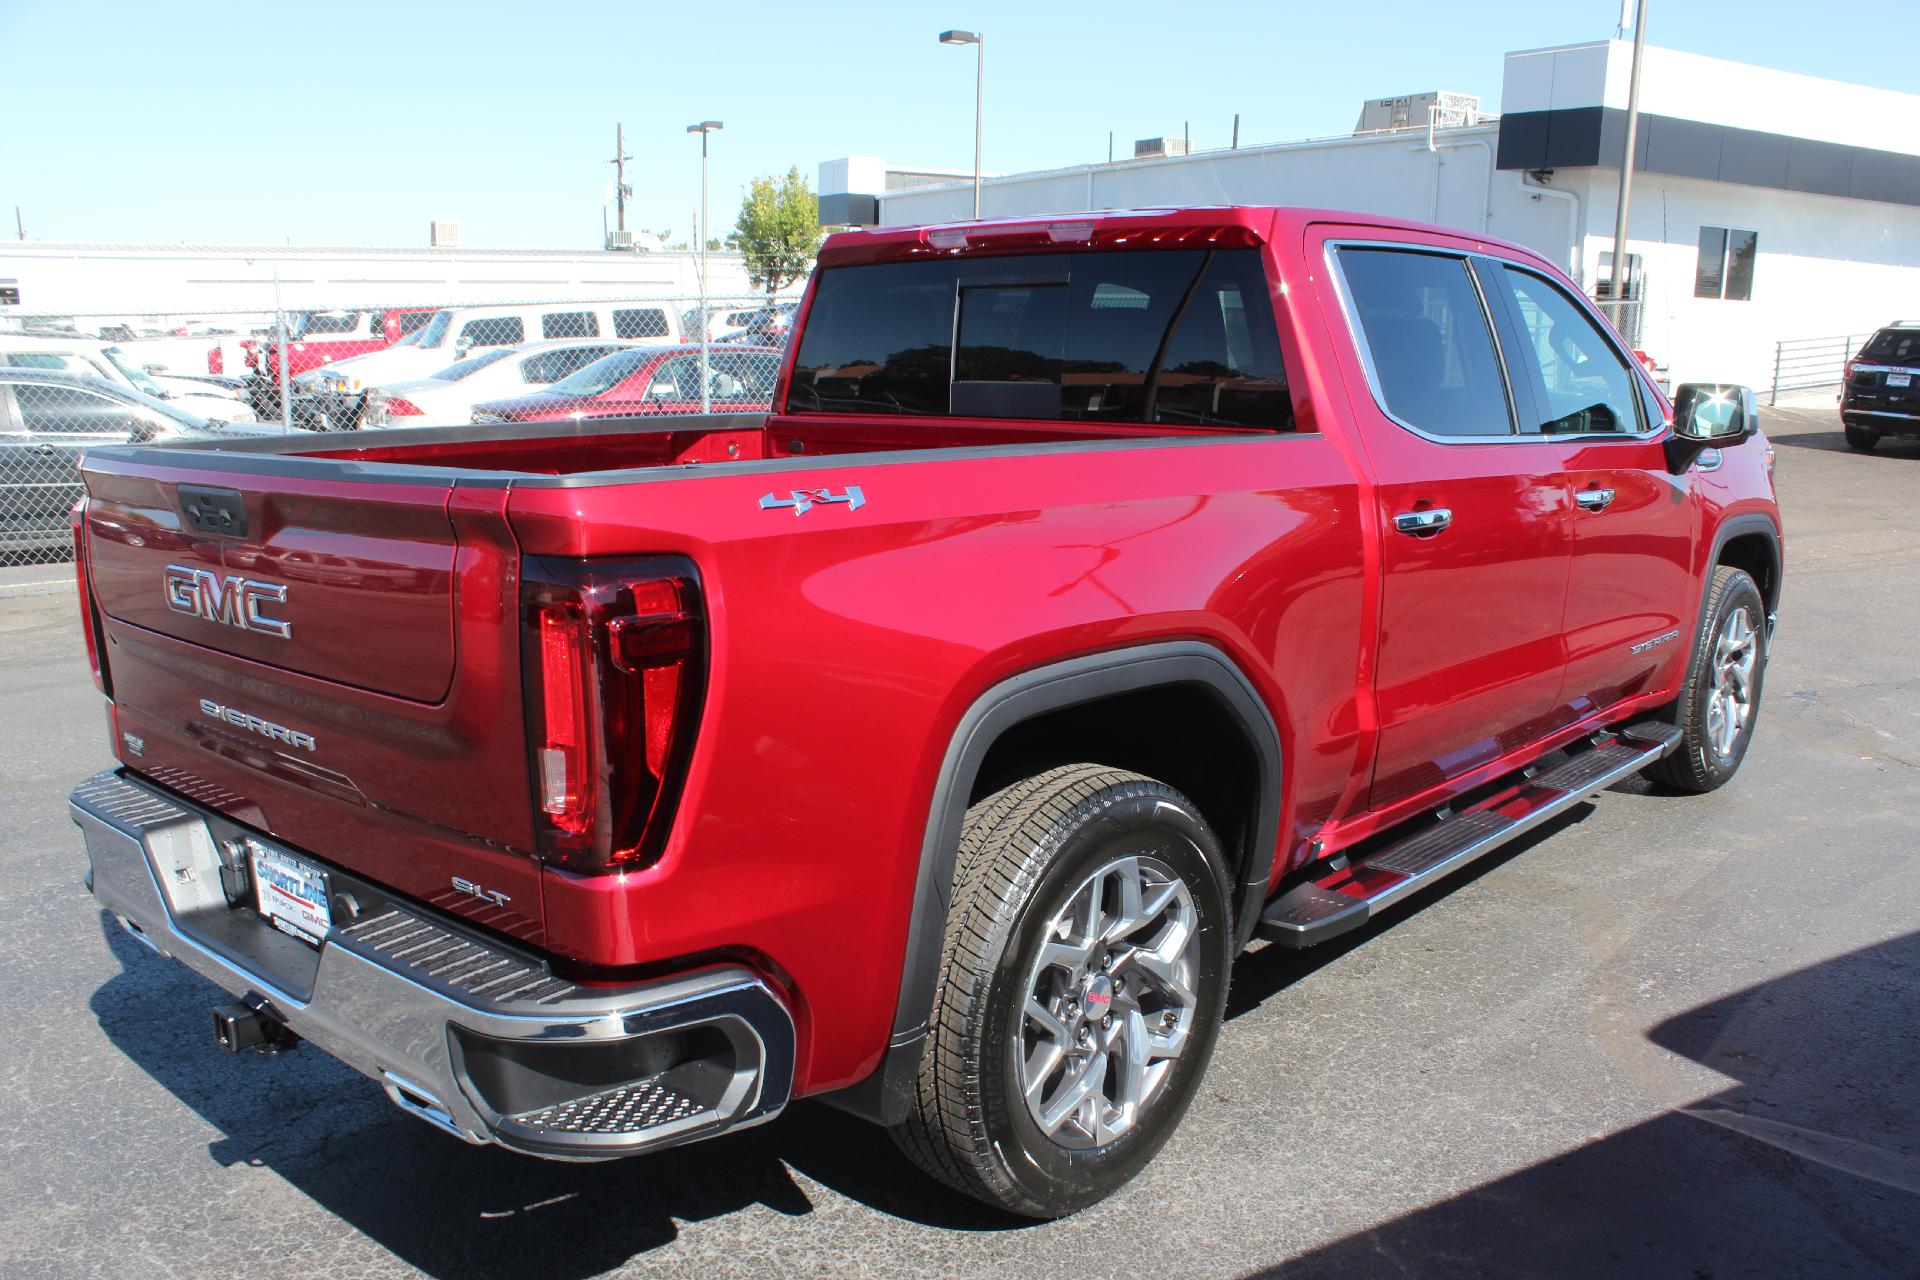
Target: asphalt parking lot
[{"x": 1669, "y": 1037}]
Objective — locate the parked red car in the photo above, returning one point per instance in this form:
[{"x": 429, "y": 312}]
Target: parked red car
[
  {"x": 316, "y": 338},
  {"x": 1101, "y": 593},
  {"x": 649, "y": 381}
]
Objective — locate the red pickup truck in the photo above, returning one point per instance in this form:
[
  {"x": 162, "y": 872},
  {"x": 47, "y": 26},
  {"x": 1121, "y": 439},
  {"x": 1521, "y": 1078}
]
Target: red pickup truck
[
  {"x": 316, "y": 338},
  {"x": 1101, "y": 594}
]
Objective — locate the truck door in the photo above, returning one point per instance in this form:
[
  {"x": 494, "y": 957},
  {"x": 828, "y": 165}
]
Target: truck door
[
  {"x": 1475, "y": 517},
  {"x": 1633, "y": 521}
]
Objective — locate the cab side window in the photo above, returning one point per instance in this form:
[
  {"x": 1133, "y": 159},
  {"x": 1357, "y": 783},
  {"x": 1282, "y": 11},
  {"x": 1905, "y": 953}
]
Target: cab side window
[
  {"x": 1424, "y": 329},
  {"x": 1585, "y": 380}
]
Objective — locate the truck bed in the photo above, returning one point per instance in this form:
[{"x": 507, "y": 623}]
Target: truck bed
[{"x": 614, "y": 445}]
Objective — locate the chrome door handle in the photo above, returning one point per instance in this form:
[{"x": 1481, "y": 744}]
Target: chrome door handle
[
  {"x": 1594, "y": 499},
  {"x": 1423, "y": 524}
]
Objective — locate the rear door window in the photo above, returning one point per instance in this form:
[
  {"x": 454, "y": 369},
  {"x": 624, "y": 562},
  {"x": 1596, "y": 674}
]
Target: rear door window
[
  {"x": 1424, "y": 334},
  {"x": 569, "y": 324},
  {"x": 1179, "y": 336},
  {"x": 413, "y": 320},
  {"x": 639, "y": 322},
  {"x": 56, "y": 412},
  {"x": 495, "y": 331}
]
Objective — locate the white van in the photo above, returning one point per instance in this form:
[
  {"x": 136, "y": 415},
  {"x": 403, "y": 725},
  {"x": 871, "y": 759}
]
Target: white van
[{"x": 456, "y": 332}]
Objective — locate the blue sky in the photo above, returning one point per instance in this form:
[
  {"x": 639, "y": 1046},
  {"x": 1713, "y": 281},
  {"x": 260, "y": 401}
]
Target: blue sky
[{"x": 129, "y": 121}]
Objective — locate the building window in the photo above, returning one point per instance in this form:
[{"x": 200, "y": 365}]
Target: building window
[{"x": 1725, "y": 269}]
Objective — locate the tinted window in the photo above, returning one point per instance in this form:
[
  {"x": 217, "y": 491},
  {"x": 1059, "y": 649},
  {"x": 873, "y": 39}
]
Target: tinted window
[
  {"x": 1895, "y": 346},
  {"x": 499, "y": 331},
  {"x": 49, "y": 410},
  {"x": 316, "y": 323},
  {"x": 1059, "y": 335},
  {"x": 569, "y": 324},
  {"x": 880, "y": 340},
  {"x": 642, "y": 322},
  {"x": 1223, "y": 364},
  {"x": 1427, "y": 335},
  {"x": 1586, "y": 382},
  {"x": 1742, "y": 248},
  {"x": 1709, "y": 272},
  {"x": 551, "y": 366},
  {"x": 413, "y": 320}
]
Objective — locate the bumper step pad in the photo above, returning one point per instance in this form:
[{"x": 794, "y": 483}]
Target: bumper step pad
[
  {"x": 628, "y": 1109},
  {"x": 1344, "y": 899}
]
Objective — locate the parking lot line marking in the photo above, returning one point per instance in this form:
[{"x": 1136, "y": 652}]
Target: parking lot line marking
[{"x": 1876, "y": 1164}]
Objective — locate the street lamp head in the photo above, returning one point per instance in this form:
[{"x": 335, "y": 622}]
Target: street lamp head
[
  {"x": 705, "y": 126},
  {"x": 959, "y": 37}
]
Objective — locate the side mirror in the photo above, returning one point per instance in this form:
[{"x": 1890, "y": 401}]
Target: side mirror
[
  {"x": 461, "y": 347},
  {"x": 1709, "y": 415}
]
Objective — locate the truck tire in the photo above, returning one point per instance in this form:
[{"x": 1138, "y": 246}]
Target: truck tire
[
  {"x": 1860, "y": 438},
  {"x": 1721, "y": 697},
  {"x": 1081, "y": 988}
]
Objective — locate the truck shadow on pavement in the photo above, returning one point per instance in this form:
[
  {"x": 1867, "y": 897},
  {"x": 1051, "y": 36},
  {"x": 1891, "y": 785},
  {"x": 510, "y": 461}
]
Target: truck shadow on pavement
[
  {"x": 1833, "y": 442},
  {"x": 1808, "y": 1164},
  {"x": 451, "y": 1209}
]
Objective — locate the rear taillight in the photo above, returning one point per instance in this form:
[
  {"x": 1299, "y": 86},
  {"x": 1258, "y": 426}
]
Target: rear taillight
[
  {"x": 90, "y": 625},
  {"x": 614, "y": 656},
  {"x": 1847, "y": 376},
  {"x": 216, "y": 361},
  {"x": 401, "y": 407}
]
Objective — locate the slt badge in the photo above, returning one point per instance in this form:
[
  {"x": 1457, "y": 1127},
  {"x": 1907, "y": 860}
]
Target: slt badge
[{"x": 804, "y": 500}]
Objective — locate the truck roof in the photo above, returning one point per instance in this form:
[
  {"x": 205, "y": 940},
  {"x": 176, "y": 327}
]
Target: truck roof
[{"x": 1229, "y": 226}]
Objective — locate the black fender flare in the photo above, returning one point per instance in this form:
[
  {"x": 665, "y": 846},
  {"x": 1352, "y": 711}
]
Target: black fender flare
[
  {"x": 885, "y": 1095},
  {"x": 1740, "y": 526}
]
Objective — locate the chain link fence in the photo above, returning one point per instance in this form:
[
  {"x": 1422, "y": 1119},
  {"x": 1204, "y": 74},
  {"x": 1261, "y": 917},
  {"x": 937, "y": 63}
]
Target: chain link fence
[{"x": 70, "y": 382}]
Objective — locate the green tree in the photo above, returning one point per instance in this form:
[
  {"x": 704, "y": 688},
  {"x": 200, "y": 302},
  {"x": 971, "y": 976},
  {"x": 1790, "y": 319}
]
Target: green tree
[{"x": 779, "y": 230}]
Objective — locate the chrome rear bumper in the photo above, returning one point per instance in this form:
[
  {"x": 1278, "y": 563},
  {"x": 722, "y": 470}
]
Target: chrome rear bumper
[{"x": 476, "y": 1037}]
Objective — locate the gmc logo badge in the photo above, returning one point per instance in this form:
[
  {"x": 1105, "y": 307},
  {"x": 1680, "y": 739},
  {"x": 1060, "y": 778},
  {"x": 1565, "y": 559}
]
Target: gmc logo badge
[{"x": 230, "y": 601}]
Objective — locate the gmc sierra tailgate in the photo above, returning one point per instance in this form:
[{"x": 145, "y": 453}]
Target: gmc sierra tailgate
[{"x": 325, "y": 651}]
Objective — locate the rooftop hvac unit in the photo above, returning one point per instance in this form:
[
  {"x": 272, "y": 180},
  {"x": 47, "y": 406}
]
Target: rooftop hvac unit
[
  {"x": 1411, "y": 110},
  {"x": 444, "y": 235},
  {"x": 1149, "y": 148},
  {"x": 620, "y": 240}
]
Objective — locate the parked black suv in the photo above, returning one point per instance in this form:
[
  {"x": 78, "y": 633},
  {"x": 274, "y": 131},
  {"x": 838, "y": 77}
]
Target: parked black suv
[{"x": 1881, "y": 396}]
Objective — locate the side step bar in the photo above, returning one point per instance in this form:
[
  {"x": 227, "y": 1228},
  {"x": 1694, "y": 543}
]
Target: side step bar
[{"x": 1348, "y": 896}]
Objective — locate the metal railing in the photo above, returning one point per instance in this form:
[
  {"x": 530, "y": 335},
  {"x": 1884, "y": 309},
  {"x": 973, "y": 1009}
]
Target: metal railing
[{"x": 1807, "y": 364}]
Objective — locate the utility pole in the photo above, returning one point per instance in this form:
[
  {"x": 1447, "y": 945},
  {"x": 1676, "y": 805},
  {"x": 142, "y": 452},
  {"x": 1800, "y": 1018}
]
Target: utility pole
[
  {"x": 619, "y": 163},
  {"x": 18, "y": 225},
  {"x": 1626, "y": 167}
]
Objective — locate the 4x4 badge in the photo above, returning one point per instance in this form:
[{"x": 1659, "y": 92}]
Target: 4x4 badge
[{"x": 804, "y": 500}]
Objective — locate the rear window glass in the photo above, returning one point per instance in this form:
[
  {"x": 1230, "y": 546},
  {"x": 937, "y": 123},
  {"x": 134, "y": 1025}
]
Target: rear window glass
[
  {"x": 412, "y": 320},
  {"x": 1184, "y": 336},
  {"x": 1896, "y": 346},
  {"x": 551, "y": 366},
  {"x": 569, "y": 324},
  {"x": 639, "y": 322}
]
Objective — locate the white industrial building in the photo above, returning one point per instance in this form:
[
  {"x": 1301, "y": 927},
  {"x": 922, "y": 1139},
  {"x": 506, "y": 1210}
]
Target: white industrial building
[{"x": 1765, "y": 205}]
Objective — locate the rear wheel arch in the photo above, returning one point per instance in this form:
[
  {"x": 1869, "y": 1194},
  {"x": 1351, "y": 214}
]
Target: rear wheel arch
[{"x": 1021, "y": 723}]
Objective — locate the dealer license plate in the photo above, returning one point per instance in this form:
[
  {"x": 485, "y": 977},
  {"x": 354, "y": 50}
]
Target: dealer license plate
[
  {"x": 1899, "y": 379},
  {"x": 292, "y": 893}
]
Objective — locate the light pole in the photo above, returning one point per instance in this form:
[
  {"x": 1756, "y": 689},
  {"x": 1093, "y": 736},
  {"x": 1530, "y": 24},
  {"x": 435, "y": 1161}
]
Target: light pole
[
  {"x": 704, "y": 128},
  {"x": 979, "y": 43}
]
